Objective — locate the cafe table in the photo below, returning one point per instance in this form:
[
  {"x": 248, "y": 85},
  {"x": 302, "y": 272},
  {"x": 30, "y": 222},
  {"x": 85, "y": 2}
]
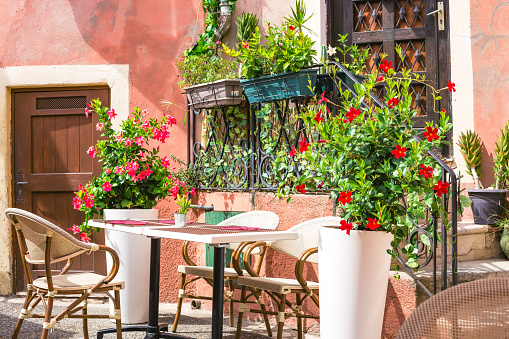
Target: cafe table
[{"x": 216, "y": 236}]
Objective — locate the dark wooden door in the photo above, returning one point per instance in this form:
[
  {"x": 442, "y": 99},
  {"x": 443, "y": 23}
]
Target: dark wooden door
[
  {"x": 51, "y": 137},
  {"x": 381, "y": 25}
]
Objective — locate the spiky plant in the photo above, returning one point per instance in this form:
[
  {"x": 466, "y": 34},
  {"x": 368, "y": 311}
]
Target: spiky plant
[
  {"x": 246, "y": 25},
  {"x": 470, "y": 146},
  {"x": 501, "y": 165},
  {"x": 298, "y": 17}
]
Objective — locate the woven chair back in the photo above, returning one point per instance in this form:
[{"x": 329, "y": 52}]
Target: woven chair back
[
  {"x": 35, "y": 230},
  {"x": 308, "y": 237},
  {"x": 261, "y": 219},
  {"x": 477, "y": 309}
]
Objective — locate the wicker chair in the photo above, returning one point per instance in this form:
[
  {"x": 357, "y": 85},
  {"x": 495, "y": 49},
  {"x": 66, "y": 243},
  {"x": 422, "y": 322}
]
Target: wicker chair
[
  {"x": 305, "y": 249},
  {"x": 261, "y": 219},
  {"x": 477, "y": 309},
  {"x": 43, "y": 243}
]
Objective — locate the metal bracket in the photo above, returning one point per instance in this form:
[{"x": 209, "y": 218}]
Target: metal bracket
[
  {"x": 20, "y": 184},
  {"x": 440, "y": 17}
]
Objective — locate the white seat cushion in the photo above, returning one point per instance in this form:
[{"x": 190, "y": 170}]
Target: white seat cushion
[
  {"x": 75, "y": 281},
  {"x": 279, "y": 285},
  {"x": 207, "y": 272}
]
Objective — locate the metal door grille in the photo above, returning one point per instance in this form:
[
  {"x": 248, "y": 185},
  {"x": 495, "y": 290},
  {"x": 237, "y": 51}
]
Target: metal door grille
[{"x": 61, "y": 102}]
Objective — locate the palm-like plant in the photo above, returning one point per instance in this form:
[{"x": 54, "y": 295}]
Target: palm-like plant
[
  {"x": 470, "y": 146},
  {"x": 246, "y": 26},
  {"x": 501, "y": 165}
]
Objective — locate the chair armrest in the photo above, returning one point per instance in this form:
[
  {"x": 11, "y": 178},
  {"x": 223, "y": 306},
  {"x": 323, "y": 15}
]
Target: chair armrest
[
  {"x": 116, "y": 263},
  {"x": 299, "y": 271},
  {"x": 235, "y": 262},
  {"x": 247, "y": 255},
  {"x": 185, "y": 254},
  {"x": 67, "y": 266}
]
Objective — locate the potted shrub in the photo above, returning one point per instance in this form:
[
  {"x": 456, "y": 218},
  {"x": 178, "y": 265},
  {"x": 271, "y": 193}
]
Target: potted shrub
[
  {"x": 368, "y": 159},
  {"x": 180, "y": 191},
  {"x": 275, "y": 66},
  {"x": 487, "y": 204},
  {"x": 133, "y": 177}
]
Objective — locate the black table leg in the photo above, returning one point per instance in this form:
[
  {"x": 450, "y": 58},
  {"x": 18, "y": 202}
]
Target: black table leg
[
  {"x": 218, "y": 293},
  {"x": 152, "y": 329}
]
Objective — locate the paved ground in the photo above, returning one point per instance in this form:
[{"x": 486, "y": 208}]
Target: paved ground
[{"x": 193, "y": 323}]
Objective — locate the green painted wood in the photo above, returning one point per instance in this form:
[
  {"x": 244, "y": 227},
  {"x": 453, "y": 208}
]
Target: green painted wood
[{"x": 214, "y": 218}]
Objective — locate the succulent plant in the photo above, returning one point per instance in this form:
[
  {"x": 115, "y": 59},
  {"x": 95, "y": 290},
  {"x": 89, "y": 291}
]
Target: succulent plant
[
  {"x": 470, "y": 146},
  {"x": 501, "y": 166},
  {"x": 246, "y": 25}
]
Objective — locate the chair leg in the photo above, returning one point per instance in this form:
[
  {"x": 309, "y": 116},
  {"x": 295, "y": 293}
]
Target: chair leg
[
  {"x": 299, "y": 319},
  {"x": 232, "y": 290},
  {"x": 47, "y": 317},
  {"x": 179, "y": 302},
  {"x": 85, "y": 319},
  {"x": 258, "y": 295},
  {"x": 26, "y": 305},
  {"x": 242, "y": 305},
  {"x": 281, "y": 316},
  {"x": 118, "y": 322}
]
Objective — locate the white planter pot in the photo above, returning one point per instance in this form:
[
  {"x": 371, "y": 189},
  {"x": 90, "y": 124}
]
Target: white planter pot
[
  {"x": 134, "y": 253},
  {"x": 180, "y": 219},
  {"x": 353, "y": 273}
]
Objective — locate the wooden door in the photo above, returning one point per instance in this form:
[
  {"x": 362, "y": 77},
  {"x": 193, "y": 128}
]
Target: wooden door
[
  {"x": 51, "y": 137},
  {"x": 381, "y": 25}
]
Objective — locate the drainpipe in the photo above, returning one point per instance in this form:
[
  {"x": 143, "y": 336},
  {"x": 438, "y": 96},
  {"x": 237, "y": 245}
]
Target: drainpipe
[{"x": 224, "y": 21}]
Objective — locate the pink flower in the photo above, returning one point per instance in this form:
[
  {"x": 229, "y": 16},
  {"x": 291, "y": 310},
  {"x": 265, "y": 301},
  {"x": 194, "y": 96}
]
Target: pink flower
[
  {"x": 128, "y": 142},
  {"x": 91, "y": 152},
  {"x": 112, "y": 113},
  {"x": 107, "y": 170},
  {"x": 107, "y": 186},
  {"x": 118, "y": 138},
  {"x": 165, "y": 162},
  {"x": 76, "y": 202},
  {"x": 84, "y": 237},
  {"x": 161, "y": 134},
  {"x": 245, "y": 44},
  {"x": 139, "y": 140},
  {"x": 323, "y": 99},
  {"x": 172, "y": 121},
  {"x": 75, "y": 229},
  {"x": 88, "y": 200},
  {"x": 99, "y": 126},
  {"x": 119, "y": 170},
  {"x": 86, "y": 112},
  {"x": 193, "y": 192},
  {"x": 145, "y": 126}
]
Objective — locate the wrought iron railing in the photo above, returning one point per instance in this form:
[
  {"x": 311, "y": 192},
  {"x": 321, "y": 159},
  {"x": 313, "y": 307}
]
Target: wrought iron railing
[{"x": 238, "y": 147}]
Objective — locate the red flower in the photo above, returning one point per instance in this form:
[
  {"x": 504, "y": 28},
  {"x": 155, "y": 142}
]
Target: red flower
[
  {"x": 441, "y": 188},
  {"x": 345, "y": 197},
  {"x": 322, "y": 141},
  {"x": 291, "y": 28},
  {"x": 84, "y": 237},
  {"x": 112, "y": 113},
  {"x": 91, "y": 152},
  {"x": 76, "y": 203},
  {"x": 450, "y": 86},
  {"x": 318, "y": 118},
  {"x": 107, "y": 186},
  {"x": 380, "y": 78},
  {"x": 393, "y": 102},
  {"x": 386, "y": 66},
  {"x": 320, "y": 185},
  {"x": 323, "y": 99},
  {"x": 301, "y": 188},
  {"x": 426, "y": 171},
  {"x": 353, "y": 113},
  {"x": 345, "y": 226},
  {"x": 372, "y": 224},
  {"x": 245, "y": 44},
  {"x": 303, "y": 145},
  {"x": 399, "y": 152},
  {"x": 292, "y": 153},
  {"x": 431, "y": 133}
]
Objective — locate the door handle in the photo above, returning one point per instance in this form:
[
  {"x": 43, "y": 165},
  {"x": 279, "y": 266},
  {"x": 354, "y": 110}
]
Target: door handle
[
  {"x": 20, "y": 184},
  {"x": 440, "y": 14}
]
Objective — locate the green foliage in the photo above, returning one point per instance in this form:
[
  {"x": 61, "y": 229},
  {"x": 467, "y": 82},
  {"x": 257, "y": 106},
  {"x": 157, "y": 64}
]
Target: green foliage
[
  {"x": 471, "y": 148},
  {"x": 370, "y": 154},
  {"x": 133, "y": 175},
  {"x": 501, "y": 166},
  {"x": 203, "y": 68},
  {"x": 358, "y": 56},
  {"x": 246, "y": 25}
]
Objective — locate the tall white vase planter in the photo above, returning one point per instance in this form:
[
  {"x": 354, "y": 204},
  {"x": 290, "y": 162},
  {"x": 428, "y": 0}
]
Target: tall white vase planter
[
  {"x": 134, "y": 253},
  {"x": 353, "y": 273}
]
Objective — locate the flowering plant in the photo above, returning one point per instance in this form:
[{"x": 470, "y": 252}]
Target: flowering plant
[
  {"x": 133, "y": 175},
  {"x": 368, "y": 159},
  {"x": 284, "y": 48},
  {"x": 180, "y": 192}
]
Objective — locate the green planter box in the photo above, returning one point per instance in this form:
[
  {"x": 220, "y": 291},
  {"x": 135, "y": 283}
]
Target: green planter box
[{"x": 280, "y": 86}]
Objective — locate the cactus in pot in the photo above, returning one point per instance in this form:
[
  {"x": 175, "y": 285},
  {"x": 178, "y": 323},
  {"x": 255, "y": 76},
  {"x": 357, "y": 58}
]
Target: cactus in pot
[{"x": 471, "y": 147}]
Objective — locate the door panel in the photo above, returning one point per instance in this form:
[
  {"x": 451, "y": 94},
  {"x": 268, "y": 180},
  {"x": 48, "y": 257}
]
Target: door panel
[{"x": 51, "y": 137}]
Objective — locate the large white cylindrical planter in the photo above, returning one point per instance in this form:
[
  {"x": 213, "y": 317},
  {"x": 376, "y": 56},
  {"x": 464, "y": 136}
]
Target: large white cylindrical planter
[
  {"x": 134, "y": 253},
  {"x": 353, "y": 273}
]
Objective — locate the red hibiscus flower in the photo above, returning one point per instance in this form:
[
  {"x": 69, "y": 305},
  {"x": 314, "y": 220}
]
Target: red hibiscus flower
[
  {"x": 399, "y": 152},
  {"x": 345, "y": 197},
  {"x": 303, "y": 145},
  {"x": 386, "y": 66},
  {"x": 372, "y": 224},
  {"x": 353, "y": 113},
  {"x": 441, "y": 188},
  {"x": 301, "y": 188},
  {"x": 426, "y": 171},
  {"x": 323, "y": 99},
  {"x": 451, "y": 86},
  {"x": 318, "y": 118},
  {"x": 345, "y": 226},
  {"x": 380, "y": 78},
  {"x": 393, "y": 102},
  {"x": 291, "y": 28},
  {"x": 293, "y": 151},
  {"x": 431, "y": 133}
]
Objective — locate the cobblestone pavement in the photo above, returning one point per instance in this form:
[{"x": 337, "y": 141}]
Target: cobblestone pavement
[{"x": 193, "y": 323}]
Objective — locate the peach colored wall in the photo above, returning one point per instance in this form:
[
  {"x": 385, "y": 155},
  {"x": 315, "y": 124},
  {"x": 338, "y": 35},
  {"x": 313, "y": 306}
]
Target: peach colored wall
[{"x": 490, "y": 47}]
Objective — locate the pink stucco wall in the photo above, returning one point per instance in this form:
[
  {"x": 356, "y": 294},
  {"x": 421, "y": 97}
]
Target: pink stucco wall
[{"x": 490, "y": 47}]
